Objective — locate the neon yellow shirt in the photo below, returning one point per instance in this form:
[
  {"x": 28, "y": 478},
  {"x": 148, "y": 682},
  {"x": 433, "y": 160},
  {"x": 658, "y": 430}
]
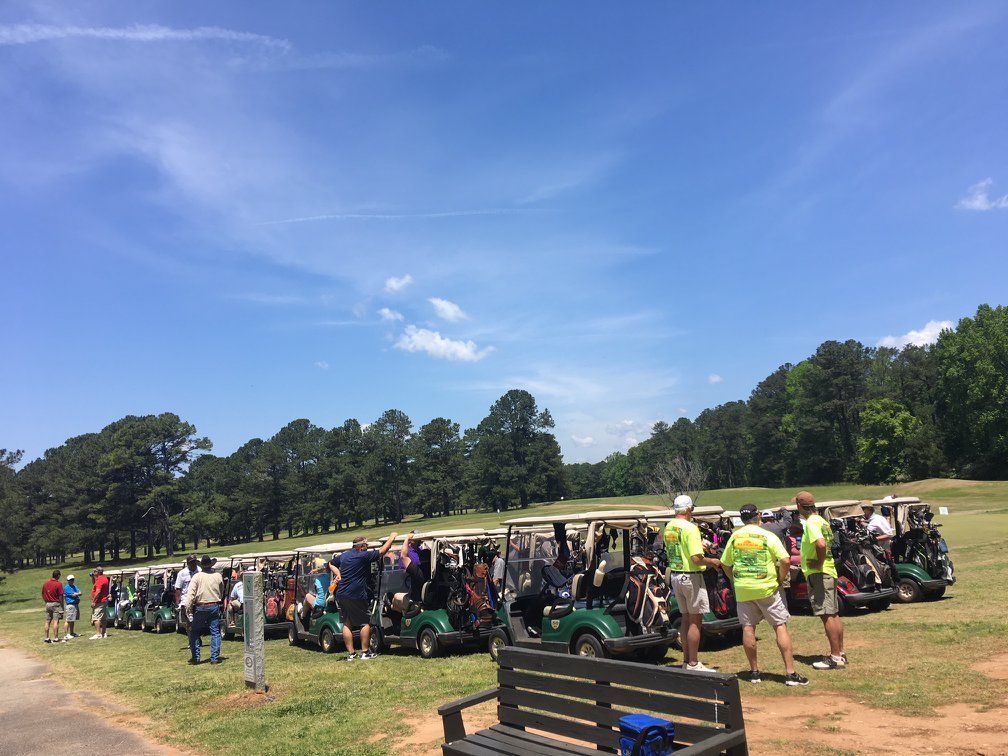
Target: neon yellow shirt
[
  {"x": 815, "y": 528},
  {"x": 753, "y": 554},
  {"x": 682, "y": 541}
]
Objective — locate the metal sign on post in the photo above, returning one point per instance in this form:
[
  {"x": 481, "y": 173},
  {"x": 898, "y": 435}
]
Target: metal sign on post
[{"x": 253, "y": 619}]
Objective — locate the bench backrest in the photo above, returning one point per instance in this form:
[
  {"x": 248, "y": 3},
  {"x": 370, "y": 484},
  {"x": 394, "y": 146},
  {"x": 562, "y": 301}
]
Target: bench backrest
[{"x": 584, "y": 698}]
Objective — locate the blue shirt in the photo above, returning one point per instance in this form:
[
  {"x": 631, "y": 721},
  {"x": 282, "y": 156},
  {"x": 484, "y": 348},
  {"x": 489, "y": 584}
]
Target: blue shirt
[
  {"x": 322, "y": 587},
  {"x": 355, "y": 569},
  {"x": 72, "y": 594}
]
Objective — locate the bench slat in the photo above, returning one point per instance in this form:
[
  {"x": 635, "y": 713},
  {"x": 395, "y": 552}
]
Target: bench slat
[
  {"x": 517, "y": 740},
  {"x": 629, "y": 700},
  {"x": 697, "y": 684},
  {"x": 568, "y": 707},
  {"x": 566, "y": 727}
]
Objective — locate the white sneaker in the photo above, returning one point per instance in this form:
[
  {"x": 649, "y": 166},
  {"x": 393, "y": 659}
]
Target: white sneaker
[
  {"x": 96, "y": 636},
  {"x": 67, "y": 637},
  {"x": 698, "y": 667}
]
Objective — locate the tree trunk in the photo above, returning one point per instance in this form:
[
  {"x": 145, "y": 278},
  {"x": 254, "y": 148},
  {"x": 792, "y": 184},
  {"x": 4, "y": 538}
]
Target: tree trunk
[{"x": 132, "y": 543}]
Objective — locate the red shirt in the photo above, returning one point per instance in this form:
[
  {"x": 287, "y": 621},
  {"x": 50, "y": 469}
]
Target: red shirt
[
  {"x": 99, "y": 594},
  {"x": 52, "y": 591}
]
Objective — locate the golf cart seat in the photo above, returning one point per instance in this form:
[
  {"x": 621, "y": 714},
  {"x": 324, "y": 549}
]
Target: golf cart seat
[{"x": 555, "y": 611}]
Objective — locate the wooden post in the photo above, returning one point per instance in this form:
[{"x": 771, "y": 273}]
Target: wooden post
[{"x": 253, "y": 619}]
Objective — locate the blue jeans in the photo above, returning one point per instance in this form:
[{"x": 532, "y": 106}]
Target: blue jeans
[{"x": 205, "y": 616}]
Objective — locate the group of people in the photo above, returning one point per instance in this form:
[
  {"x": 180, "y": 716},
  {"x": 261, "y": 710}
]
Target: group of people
[
  {"x": 64, "y": 601},
  {"x": 758, "y": 565}
]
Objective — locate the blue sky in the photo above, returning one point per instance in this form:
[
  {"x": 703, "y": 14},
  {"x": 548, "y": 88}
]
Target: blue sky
[{"x": 246, "y": 214}]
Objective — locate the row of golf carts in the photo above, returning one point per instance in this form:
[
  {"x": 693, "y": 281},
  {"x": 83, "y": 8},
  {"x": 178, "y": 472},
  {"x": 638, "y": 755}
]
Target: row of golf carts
[{"x": 593, "y": 584}]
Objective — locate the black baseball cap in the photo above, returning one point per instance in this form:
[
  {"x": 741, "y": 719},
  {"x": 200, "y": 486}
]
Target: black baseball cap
[{"x": 748, "y": 512}]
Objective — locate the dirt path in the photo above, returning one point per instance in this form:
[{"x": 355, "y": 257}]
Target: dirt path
[
  {"x": 795, "y": 726},
  {"x": 39, "y": 715}
]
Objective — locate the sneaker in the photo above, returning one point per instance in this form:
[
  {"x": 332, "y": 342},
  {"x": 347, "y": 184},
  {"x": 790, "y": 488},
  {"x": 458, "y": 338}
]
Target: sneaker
[
  {"x": 68, "y": 636},
  {"x": 368, "y": 655},
  {"x": 795, "y": 679},
  {"x": 351, "y": 657},
  {"x": 843, "y": 655},
  {"x": 46, "y": 640},
  {"x": 698, "y": 667},
  {"x": 754, "y": 676},
  {"x": 830, "y": 662},
  {"x": 96, "y": 636}
]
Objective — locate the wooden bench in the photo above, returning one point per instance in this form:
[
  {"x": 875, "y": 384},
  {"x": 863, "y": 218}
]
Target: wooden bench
[{"x": 572, "y": 698}]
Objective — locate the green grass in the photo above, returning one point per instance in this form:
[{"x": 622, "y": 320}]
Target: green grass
[{"x": 911, "y": 659}]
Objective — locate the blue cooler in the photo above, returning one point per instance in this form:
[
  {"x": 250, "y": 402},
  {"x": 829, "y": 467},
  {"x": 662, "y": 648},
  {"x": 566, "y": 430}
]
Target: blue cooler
[{"x": 644, "y": 735}]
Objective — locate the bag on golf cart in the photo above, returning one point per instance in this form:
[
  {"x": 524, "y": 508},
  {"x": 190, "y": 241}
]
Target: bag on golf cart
[
  {"x": 647, "y": 595},
  {"x": 273, "y": 607}
]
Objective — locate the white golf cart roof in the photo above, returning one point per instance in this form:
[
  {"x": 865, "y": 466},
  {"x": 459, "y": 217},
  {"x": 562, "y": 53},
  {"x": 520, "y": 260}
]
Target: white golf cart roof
[
  {"x": 460, "y": 534},
  {"x": 841, "y": 509},
  {"x": 172, "y": 566},
  {"x": 611, "y": 516},
  {"x": 262, "y": 555},
  {"x": 668, "y": 514},
  {"x": 329, "y": 548},
  {"x": 908, "y": 500}
]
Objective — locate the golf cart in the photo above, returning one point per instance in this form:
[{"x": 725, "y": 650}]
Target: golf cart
[
  {"x": 716, "y": 527},
  {"x": 324, "y": 627},
  {"x": 865, "y": 572},
  {"x": 128, "y": 608},
  {"x": 456, "y": 606},
  {"x": 582, "y": 584},
  {"x": 923, "y": 567},
  {"x": 159, "y": 599},
  {"x": 278, "y": 590}
]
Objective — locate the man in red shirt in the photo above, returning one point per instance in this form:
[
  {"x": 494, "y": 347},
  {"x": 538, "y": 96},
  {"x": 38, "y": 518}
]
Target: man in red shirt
[
  {"x": 99, "y": 598},
  {"x": 52, "y": 595}
]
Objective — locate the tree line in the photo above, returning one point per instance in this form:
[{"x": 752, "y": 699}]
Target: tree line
[
  {"x": 147, "y": 484},
  {"x": 847, "y": 413}
]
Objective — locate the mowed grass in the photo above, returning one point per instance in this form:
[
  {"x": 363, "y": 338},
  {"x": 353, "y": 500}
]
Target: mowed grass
[{"x": 912, "y": 658}]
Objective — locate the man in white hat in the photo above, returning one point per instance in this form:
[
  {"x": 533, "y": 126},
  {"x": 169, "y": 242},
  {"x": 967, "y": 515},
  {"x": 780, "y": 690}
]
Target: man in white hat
[{"x": 687, "y": 562}]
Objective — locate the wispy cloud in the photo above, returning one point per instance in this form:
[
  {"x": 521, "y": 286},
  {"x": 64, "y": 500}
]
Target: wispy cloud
[
  {"x": 714, "y": 379},
  {"x": 404, "y": 216},
  {"x": 582, "y": 440},
  {"x": 978, "y": 198},
  {"x": 345, "y": 60},
  {"x": 24, "y": 34},
  {"x": 434, "y": 344},
  {"x": 581, "y": 173},
  {"x": 322, "y": 365},
  {"x": 926, "y": 335},
  {"x": 447, "y": 310},
  {"x": 391, "y": 315},
  {"x": 397, "y": 283}
]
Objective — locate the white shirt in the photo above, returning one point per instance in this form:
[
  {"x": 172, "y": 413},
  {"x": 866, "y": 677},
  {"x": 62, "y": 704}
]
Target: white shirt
[
  {"x": 238, "y": 592},
  {"x": 182, "y": 580},
  {"x": 498, "y": 569},
  {"x": 880, "y": 524}
]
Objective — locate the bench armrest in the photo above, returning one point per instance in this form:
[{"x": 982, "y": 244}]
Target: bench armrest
[
  {"x": 451, "y": 713},
  {"x": 733, "y": 741}
]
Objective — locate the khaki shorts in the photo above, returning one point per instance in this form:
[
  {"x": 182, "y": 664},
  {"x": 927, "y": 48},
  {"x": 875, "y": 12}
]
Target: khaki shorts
[
  {"x": 53, "y": 610},
  {"x": 690, "y": 592},
  {"x": 98, "y": 613},
  {"x": 822, "y": 594},
  {"x": 72, "y": 613},
  {"x": 772, "y": 609}
]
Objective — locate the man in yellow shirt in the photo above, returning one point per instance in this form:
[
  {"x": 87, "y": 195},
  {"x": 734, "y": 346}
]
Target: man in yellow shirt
[
  {"x": 757, "y": 564},
  {"x": 687, "y": 562},
  {"x": 820, "y": 570}
]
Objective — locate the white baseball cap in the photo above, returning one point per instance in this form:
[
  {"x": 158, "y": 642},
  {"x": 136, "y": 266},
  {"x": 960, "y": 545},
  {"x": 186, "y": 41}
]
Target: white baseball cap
[
  {"x": 70, "y": 577},
  {"x": 767, "y": 513},
  {"x": 682, "y": 503}
]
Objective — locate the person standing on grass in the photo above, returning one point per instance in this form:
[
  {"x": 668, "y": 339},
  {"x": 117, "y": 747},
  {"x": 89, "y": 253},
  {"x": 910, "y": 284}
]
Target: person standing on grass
[
  {"x": 820, "y": 570},
  {"x": 71, "y": 593},
  {"x": 182, "y": 579},
  {"x": 352, "y": 570},
  {"x": 52, "y": 596},
  {"x": 99, "y": 602},
  {"x": 687, "y": 562},
  {"x": 757, "y": 565},
  {"x": 203, "y": 603}
]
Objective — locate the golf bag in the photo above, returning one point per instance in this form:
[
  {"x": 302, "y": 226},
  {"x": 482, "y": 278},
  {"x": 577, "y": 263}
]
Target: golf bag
[
  {"x": 857, "y": 558},
  {"x": 647, "y": 595}
]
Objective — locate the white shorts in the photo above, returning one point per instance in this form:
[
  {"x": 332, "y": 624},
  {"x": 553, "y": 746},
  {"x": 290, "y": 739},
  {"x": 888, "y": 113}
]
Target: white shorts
[
  {"x": 690, "y": 592},
  {"x": 772, "y": 609}
]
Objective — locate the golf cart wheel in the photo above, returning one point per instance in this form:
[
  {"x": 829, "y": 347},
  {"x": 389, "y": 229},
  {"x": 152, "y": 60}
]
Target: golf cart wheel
[
  {"x": 327, "y": 641},
  {"x": 498, "y": 640},
  {"x": 908, "y": 591},
  {"x": 590, "y": 646},
  {"x": 428, "y": 643},
  {"x": 292, "y": 637},
  {"x": 935, "y": 595},
  {"x": 143, "y": 624},
  {"x": 158, "y": 626}
]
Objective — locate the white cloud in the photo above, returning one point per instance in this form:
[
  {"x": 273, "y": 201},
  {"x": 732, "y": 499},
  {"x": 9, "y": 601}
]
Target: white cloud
[
  {"x": 926, "y": 335},
  {"x": 387, "y": 314},
  {"x": 714, "y": 378},
  {"x": 582, "y": 440},
  {"x": 394, "y": 284},
  {"x": 447, "y": 310},
  {"x": 433, "y": 343},
  {"x": 978, "y": 198},
  {"x": 23, "y": 34},
  {"x": 322, "y": 365}
]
